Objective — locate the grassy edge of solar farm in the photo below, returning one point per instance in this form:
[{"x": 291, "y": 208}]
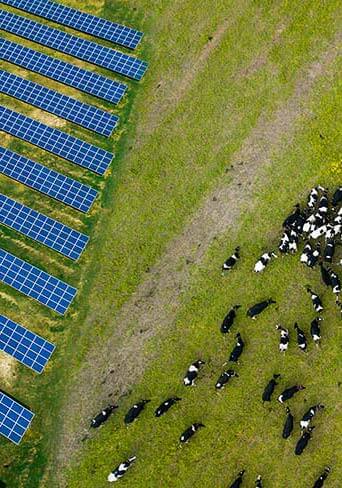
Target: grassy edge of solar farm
[{"x": 144, "y": 254}]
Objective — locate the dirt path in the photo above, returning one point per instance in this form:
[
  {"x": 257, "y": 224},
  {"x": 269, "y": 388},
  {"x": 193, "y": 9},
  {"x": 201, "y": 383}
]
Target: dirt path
[{"x": 154, "y": 306}]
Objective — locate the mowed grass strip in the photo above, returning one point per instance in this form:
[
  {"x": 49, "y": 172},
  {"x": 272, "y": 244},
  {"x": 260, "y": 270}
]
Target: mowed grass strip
[{"x": 162, "y": 175}]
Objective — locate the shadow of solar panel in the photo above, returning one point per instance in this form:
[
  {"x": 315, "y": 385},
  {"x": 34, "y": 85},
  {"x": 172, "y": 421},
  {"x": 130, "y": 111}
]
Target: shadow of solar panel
[
  {"x": 104, "y": 29},
  {"x": 27, "y": 347},
  {"x": 14, "y": 418},
  {"x": 75, "y": 46},
  {"x": 35, "y": 283},
  {"x": 81, "y": 79},
  {"x": 51, "y": 183},
  {"x": 55, "y": 141},
  {"x": 63, "y": 106},
  {"x": 41, "y": 228}
]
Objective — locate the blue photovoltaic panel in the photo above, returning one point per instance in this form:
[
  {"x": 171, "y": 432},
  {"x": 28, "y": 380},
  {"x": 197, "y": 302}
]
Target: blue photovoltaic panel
[
  {"x": 35, "y": 283},
  {"x": 63, "y": 106},
  {"x": 73, "y": 45},
  {"x": 41, "y": 228},
  {"x": 47, "y": 181},
  {"x": 56, "y": 141},
  {"x": 14, "y": 418},
  {"x": 66, "y": 73},
  {"x": 104, "y": 29},
  {"x": 30, "y": 349}
]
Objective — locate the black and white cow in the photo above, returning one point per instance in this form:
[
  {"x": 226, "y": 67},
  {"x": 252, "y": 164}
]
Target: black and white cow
[
  {"x": 256, "y": 309},
  {"x": 120, "y": 470},
  {"x": 288, "y": 425},
  {"x": 293, "y": 243},
  {"x": 229, "y": 319},
  {"x": 295, "y": 220},
  {"x": 329, "y": 251},
  {"x": 237, "y": 482},
  {"x": 102, "y": 416},
  {"x": 237, "y": 350},
  {"x": 323, "y": 204},
  {"x": 309, "y": 415},
  {"x": 316, "y": 301},
  {"x": 189, "y": 432},
  {"x": 134, "y": 412},
  {"x": 337, "y": 197},
  {"x": 166, "y": 405},
  {"x": 301, "y": 339},
  {"x": 289, "y": 392},
  {"x": 307, "y": 251},
  {"x": 335, "y": 282},
  {"x": 269, "y": 388},
  {"x": 224, "y": 378},
  {"x": 284, "y": 338},
  {"x": 313, "y": 257},
  {"x": 263, "y": 261},
  {"x": 313, "y": 198},
  {"x": 284, "y": 242},
  {"x": 315, "y": 330},
  {"x": 192, "y": 373},
  {"x": 319, "y": 483},
  {"x": 303, "y": 441},
  {"x": 232, "y": 260},
  {"x": 258, "y": 482}
]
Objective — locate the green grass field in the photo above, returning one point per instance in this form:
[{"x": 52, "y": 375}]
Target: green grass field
[{"x": 237, "y": 117}]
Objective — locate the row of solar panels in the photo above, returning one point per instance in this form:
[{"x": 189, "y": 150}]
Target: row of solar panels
[{"x": 27, "y": 347}]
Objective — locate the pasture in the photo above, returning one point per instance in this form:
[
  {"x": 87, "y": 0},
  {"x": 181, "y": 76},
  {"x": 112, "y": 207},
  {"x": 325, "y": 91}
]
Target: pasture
[{"x": 237, "y": 118}]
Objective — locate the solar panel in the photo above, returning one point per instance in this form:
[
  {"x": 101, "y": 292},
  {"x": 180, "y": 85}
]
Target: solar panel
[
  {"x": 35, "y": 283},
  {"x": 61, "y": 105},
  {"x": 66, "y": 73},
  {"x": 104, "y": 29},
  {"x": 73, "y": 45},
  {"x": 14, "y": 418},
  {"x": 27, "y": 347},
  {"x": 47, "y": 181},
  {"x": 55, "y": 141},
  {"x": 41, "y": 228}
]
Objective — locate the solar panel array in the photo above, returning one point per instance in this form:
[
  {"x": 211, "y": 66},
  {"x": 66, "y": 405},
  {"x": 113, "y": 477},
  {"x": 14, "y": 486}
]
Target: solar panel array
[
  {"x": 14, "y": 419},
  {"x": 46, "y": 181},
  {"x": 63, "y": 106},
  {"x": 104, "y": 29},
  {"x": 55, "y": 141},
  {"x": 73, "y": 45},
  {"x": 66, "y": 73},
  {"x": 30, "y": 349},
  {"x": 41, "y": 228},
  {"x": 35, "y": 283}
]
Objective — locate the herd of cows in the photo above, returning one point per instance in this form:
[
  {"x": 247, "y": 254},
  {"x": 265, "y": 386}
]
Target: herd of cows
[{"x": 320, "y": 225}]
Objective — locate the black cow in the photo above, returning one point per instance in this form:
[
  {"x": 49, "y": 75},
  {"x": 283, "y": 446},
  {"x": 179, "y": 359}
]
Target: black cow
[
  {"x": 165, "y": 406},
  {"x": 320, "y": 481},
  {"x": 237, "y": 351},
  {"x": 102, "y": 416},
  {"x": 237, "y": 482},
  {"x": 229, "y": 319},
  {"x": 288, "y": 425},
  {"x": 189, "y": 432},
  {"x": 134, "y": 412},
  {"x": 231, "y": 261},
  {"x": 256, "y": 309},
  {"x": 269, "y": 389},
  {"x": 224, "y": 378},
  {"x": 301, "y": 339},
  {"x": 303, "y": 441},
  {"x": 337, "y": 197},
  {"x": 325, "y": 275},
  {"x": 289, "y": 392}
]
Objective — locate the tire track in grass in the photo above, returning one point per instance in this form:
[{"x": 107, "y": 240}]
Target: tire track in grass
[{"x": 153, "y": 307}]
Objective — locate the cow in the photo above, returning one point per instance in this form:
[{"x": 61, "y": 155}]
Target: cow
[
  {"x": 288, "y": 425},
  {"x": 232, "y": 260},
  {"x": 325, "y": 275},
  {"x": 224, "y": 378},
  {"x": 258, "y": 482},
  {"x": 237, "y": 482},
  {"x": 263, "y": 261},
  {"x": 284, "y": 242},
  {"x": 289, "y": 392},
  {"x": 120, "y": 470},
  {"x": 316, "y": 301},
  {"x": 237, "y": 350},
  {"x": 337, "y": 197},
  {"x": 134, "y": 412},
  {"x": 192, "y": 373},
  {"x": 301, "y": 339},
  {"x": 256, "y": 309},
  {"x": 329, "y": 251},
  {"x": 309, "y": 415},
  {"x": 284, "y": 338},
  {"x": 321, "y": 480},
  {"x": 189, "y": 432},
  {"x": 315, "y": 330},
  {"x": 335, "y": 282},
  {"x": 99, "y": 419},
  {"x": 229, "y": 319},
  {"x": 303, "y": 441},
  {"x": 165, "y": 406},
  {"x": 269, "y": 388}
]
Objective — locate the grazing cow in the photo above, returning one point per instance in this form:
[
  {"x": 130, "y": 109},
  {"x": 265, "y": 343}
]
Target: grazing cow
[
  {"x": 165, "y": 406},
  {"x": 320, "y": 481},
  {"x": 293, "y": 242},
  {"x": 284, "y": 242},
  {"x": 102, "y": 416},
  {"x": 288, "y": 426},
  {"x": 237, "y": 351},
  {"x": 256, "y": 309},
  {"x": 229, "y": 319},
  {"x": 335, "y": 282},
  {"x": 337, "y": 197},
  {"x": 329, "y": 251},
  {"x": 237, "y": 482},
  {"x": 258, "y": 482},
  {"x": 192, "y": 373},
  {"x": 316, "y": 301},
  {"x": 263, "y": 261},
  {"x": 326, "y": 278},
  {"x": 313, "y": 257},
  {"x": 289, "y": 392},
  {"x": 315, "y": 330},
  {"x": 301, "y": 339},
  {"x": 295, "y": 220},
  {"x": 134, "y": 412},
  {"x": 309, "y": 415},
  {"x": 313, "y": 198},
  {"x": 120, "y": 470},
  {"x": 189, "y": 432},
  {"x": 284, "y": 338},
  {"x": 269, "y": 388},
  {"x": 303, "y": 441},
  {"x": 232, "y": 260},
  {"x": 323, "y": 204},
  {"x": 224, "y": 378},
  {"x": 307, "y": 251}
]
